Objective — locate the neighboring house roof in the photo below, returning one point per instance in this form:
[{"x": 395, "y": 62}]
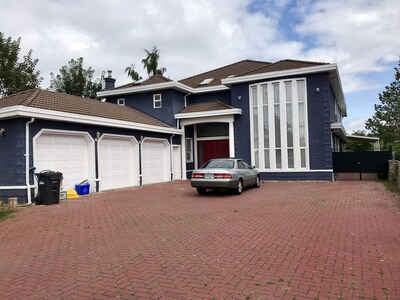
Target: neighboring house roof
[
  {"x": 216, "y": 75},
  {"x": 151, "y": 80},
  {"x": 205, "y": 106},
  {"x": 68, "y": 104}
]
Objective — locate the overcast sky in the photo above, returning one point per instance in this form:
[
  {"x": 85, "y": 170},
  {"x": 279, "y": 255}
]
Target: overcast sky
[{"x": 361, "y": 36}]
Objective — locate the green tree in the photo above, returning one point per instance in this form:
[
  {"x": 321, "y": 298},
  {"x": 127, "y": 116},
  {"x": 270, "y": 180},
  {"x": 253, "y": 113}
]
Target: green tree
[
  {"x": 385, "y": 123},
  {"x": 16, "y": 75},
  {"x": 132, "y": 73},
  {"x": 74, "y": 79},
  {"x": 150, "y": 62},
  {"x": 359, "y": 144}
]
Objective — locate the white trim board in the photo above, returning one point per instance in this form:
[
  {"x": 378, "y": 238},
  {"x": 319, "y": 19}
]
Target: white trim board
[{"x": 25, "y": 111}]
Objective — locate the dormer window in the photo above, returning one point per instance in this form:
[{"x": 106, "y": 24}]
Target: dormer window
[
  {"x": 206, "y": 81},
  {"x": 121, "y": 101},
  {"x": 157, "y": 103}
]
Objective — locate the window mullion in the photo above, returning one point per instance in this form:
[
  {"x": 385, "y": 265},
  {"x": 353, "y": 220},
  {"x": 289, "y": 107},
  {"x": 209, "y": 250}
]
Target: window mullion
[{"x": 282, "y": 101}]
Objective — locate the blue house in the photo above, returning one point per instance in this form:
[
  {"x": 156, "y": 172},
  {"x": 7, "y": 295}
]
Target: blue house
[{"x": 284, "y": 117}]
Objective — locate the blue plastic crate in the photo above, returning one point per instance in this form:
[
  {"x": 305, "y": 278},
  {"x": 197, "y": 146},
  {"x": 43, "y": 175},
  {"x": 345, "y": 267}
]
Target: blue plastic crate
[{"x": 82, "y": 189}]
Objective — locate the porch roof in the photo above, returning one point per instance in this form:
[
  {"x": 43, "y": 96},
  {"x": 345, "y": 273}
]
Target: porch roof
[{"x": 207, "y": 109}]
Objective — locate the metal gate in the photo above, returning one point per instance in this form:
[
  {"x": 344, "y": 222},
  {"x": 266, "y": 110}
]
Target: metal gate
[{"x": 362, "y": 162}]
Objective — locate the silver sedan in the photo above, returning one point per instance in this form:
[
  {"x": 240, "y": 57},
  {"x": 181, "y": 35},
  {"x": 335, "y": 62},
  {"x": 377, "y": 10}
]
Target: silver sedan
[{"x": 225, "y": 173}]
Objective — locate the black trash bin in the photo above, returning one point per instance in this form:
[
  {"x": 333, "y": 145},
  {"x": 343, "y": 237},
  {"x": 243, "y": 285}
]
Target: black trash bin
[{"x": 48, "y": 187}]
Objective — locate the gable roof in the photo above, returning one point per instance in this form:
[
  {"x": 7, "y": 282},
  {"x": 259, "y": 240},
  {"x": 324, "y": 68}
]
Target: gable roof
[
  {"x": 69, "y": 104},
  {"x": 216, "y": 75}
]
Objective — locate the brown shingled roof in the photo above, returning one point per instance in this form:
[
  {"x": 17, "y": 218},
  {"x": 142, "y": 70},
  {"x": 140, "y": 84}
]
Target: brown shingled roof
[
  {"x": 151, "y": 80},
  {"x": 205, "y": 106},
  {"x": 283, "y": 65},
  {"x": 224, "y": 72},
  {"x": 44, "y": 99}
]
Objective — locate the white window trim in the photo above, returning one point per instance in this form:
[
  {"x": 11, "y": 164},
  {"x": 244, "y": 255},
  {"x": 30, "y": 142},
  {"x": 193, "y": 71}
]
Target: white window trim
[
  {"x": 190, "y": 150},
  {"x": 157, "y": 101},
  {"x": 295, "y": 116},
  {"x": 121, "y": 101}
]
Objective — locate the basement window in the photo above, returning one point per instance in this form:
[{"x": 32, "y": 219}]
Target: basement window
[{"x": 121, "y": 101}]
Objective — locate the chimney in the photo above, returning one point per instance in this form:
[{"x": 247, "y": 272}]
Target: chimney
[{"x": 110, "y": 82}]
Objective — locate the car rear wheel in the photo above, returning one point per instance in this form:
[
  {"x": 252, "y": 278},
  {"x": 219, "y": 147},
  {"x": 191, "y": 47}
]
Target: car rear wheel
[
  {"x": 239, "y": 187},
  {"x": 201, "y": 191},
  {"x": 257, "y": 184}
]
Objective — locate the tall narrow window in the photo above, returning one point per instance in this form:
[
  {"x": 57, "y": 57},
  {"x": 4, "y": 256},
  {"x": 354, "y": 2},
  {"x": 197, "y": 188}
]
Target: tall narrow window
[
  {"x": 289, "y": 124},
  {"x": 189, "y": 150},
  {"x": 255, "y": 125},
  {"x": 264, "y": 88},
  {"x": 277, "y": 122},
  {"x": 279, "y": 125},
  {"x": 302, "y": 120}
]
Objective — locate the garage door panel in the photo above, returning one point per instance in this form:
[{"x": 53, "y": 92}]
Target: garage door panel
[
  {"x": 118, "y": 163},
  {"x": 68, "y": 154},
  {"x": 155, "y": 161}
]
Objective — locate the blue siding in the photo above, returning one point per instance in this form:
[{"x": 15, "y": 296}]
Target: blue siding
[
  {"x": 224, "y": 96},
  {"x": 319, "y": 125},
  {"x": 242, "y": 122},
  {"x": 172, "y": 102},
  {"x": 297, "y": 176},
  {"x": 12, "y": 162}
]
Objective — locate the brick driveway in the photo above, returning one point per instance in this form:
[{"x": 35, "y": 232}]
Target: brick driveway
[{"x": 285, "y": 240}]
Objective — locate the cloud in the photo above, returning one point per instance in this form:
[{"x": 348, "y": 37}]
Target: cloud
[
  {"x": 359, "y": 35},
  {"x": 352, "y": 125},
  {"x": 198, "y": 35}
]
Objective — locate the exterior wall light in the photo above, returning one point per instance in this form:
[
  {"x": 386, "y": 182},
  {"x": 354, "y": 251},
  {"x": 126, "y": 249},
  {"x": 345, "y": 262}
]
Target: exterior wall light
[{"x": 2, "y": 131}]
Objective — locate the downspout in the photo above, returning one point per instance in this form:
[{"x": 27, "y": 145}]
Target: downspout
[
  {"x": 171, "y": 157},
  {"x": 184, "y": 97},
  {"x": 28, "y": 186}
]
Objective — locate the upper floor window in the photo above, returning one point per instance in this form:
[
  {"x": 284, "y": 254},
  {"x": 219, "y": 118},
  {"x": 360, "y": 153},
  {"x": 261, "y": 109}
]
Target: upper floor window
[
  {"x": 121, "y": 101},
  {"x": 279, "y": 126},
  {"x": 157, "y": 103}
]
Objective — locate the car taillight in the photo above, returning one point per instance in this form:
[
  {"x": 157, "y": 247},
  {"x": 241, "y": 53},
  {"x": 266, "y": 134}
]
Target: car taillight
[
  {"x": 197, "y": 175},
  {"x": 223, "y": 176}
]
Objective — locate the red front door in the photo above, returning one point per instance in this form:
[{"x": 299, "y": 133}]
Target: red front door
[{"x": 207, "y": 150}]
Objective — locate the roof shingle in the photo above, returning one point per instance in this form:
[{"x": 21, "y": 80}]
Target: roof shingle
[
  {"x": 205, "y": 106},
  {"x": 224, "y": 72},
  {"x": 44, "y": 99}
]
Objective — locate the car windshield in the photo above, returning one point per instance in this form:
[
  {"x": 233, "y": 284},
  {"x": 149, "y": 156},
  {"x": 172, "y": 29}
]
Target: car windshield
[{"x": 220, "y": 164}]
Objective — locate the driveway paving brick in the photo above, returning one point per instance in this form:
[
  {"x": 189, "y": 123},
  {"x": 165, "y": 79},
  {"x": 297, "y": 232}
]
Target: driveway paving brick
[{"x": 285, "y": 240}]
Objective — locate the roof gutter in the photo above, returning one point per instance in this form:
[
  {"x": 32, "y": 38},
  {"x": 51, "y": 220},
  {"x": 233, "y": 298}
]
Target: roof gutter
[
  {"x": 159, "y": 86},
  {"x": 211, "y": 113},
  {"x": 24, "y": 111}
]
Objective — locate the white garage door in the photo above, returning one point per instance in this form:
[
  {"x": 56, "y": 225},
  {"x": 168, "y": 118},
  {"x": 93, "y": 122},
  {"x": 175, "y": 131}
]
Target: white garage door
[
  {"x": 69, "y": 153},
  {"x": 118, "y": 162},
  {"x": 155, "y": 161}
]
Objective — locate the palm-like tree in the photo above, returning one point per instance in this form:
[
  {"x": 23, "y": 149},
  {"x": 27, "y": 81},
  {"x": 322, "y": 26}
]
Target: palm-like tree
[
  {"x": 132, "y": 73},
  {"x": 150, "y": 63}
]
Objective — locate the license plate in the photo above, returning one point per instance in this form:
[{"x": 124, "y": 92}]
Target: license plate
[{"x": 208, "y": 176}]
